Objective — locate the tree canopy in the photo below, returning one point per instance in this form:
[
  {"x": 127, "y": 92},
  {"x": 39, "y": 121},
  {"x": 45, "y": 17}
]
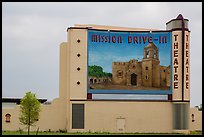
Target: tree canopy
[
  {"x": 30, "y": 108},
  {"x": 97, "y": 71}
]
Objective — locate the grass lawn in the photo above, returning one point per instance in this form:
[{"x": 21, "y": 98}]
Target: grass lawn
[{"x": 92, "y": 133}]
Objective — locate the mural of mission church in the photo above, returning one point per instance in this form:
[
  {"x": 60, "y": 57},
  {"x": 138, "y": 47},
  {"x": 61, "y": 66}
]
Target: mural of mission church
[{"x": 145, "y": 73}]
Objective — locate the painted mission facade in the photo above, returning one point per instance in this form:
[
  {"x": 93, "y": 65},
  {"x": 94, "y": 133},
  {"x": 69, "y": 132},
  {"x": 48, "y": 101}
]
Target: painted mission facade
[{"x": 147, "y": 73}]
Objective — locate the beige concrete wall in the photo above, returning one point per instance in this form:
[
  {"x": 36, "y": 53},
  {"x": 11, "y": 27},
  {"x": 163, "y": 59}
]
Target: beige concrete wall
[
  {"x": 139, "y": 116},
  {"x": 14, "y": 122},
  {"x": 103, "y": 115},
  {"x": 51, "y": 117},
  {"x": 77, "y": 91},
  {"x": 197, "y": 123},
  {"x": 63, "y": 71}
]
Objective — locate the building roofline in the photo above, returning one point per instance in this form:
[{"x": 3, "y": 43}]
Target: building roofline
[
  {"x": 17, "y": 100},
  {"x": 110, "y": 28}
]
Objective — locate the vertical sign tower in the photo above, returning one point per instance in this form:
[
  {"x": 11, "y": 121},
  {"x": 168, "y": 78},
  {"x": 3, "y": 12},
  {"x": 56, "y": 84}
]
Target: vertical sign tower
[{"x": 180, "y": 72}]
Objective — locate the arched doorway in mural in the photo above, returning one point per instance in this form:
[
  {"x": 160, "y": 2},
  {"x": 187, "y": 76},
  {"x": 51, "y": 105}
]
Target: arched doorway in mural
[
  {"x": 91, "y": 81},
  {"x": 134, "y": 79}
]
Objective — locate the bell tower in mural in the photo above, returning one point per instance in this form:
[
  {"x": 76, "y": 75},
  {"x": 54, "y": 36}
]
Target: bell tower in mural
[{"x": 151, "y": 66}]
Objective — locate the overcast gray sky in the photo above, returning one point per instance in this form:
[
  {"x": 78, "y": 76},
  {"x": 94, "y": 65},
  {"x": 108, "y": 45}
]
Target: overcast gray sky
[{"x": 32, "y": 32}]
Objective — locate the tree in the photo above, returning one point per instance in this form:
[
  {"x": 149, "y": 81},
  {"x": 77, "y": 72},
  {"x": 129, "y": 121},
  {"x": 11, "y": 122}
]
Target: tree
[
  {"x": 30, "y": 108},
  {"x": 97, "y": 71}
]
